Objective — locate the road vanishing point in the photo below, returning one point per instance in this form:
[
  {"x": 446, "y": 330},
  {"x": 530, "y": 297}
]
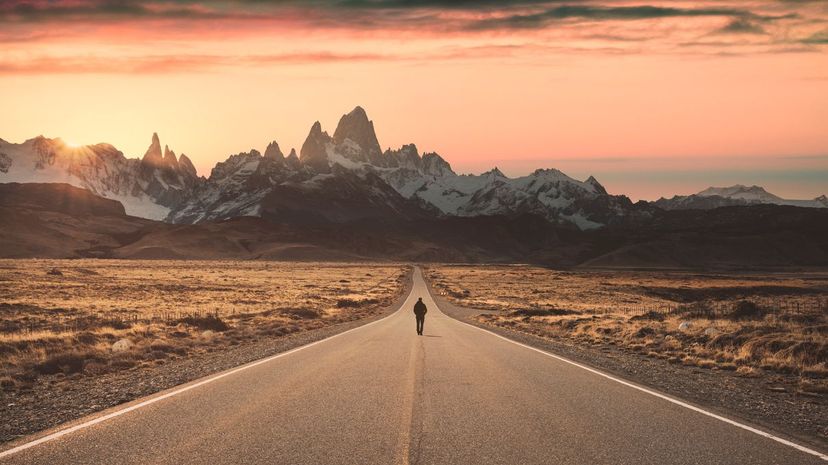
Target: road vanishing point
[{"x": 380, "y": 394}]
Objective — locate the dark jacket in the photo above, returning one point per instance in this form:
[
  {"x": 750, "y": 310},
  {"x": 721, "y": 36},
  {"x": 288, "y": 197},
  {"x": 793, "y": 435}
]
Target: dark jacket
[{"x": 420, "y": 308}]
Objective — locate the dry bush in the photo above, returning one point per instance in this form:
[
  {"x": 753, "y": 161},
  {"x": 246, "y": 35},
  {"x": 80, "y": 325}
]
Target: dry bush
[
  {"x": 301, "y": 313},
  {"x": 209, "y": 322},
  {"x": 65, "y": 324},
  {"x": 752, "y": 324},
  {"x": 745, "y": 310}
]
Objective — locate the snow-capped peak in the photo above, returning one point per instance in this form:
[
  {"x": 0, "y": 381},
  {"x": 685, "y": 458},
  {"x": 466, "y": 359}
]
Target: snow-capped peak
[
  {"x": 494, "y": 173},
  {"x": 349, "y": 164},
  {"x": 147, "y": 187},
  {"x": 357, "y": 128},
  {"x": 714, "y": 197},
  {"x": 597, "y": 185},
  {"x": 739, "y": 191}
]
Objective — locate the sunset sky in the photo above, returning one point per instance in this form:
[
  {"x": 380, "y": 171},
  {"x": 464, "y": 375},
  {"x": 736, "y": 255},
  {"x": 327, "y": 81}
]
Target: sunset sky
[{"x": 654, "y": 98}]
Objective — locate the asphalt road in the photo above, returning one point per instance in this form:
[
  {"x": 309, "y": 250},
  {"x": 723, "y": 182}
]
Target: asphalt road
[{"x": 380, "y": 394}]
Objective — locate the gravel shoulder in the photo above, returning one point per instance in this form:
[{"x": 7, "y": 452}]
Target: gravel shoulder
[
  {"x": 51, "y": 402},
  {"x": 758, "y": 401}
]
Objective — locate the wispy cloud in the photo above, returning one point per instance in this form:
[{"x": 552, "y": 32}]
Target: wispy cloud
[
  {"x": 741, "y": 26},
  {"x": 160, "y": 64},
  {"x": 626, "y": 13},
  {"x": 552, "y": 26},
  {"x": 820, "y": 37}
]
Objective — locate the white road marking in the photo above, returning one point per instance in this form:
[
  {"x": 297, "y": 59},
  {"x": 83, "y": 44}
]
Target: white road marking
[
  {"x": 659, "y": 395},
  {"x": 117, "y": 413}
]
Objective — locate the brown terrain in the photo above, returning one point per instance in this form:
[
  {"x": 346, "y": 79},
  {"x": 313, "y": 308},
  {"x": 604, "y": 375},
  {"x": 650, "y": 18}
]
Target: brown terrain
[
  {"x": 67, "y": 325},
  {"x": 734, "y": 316},
  {"x": 753, "y": 343},
  {"x": 80, "y": 224}
]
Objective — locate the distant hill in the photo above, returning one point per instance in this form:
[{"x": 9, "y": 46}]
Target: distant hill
[
  {"x": 342, "y": 197},
  {"x": 738, "y": 195},
  {"x": 58, "y": 220}
]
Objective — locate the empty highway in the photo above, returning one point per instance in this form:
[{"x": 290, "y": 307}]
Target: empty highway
[{"x": 380, "y": 394}]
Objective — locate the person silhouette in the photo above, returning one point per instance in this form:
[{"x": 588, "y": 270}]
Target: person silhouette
[{"x": 420, "y": 311}]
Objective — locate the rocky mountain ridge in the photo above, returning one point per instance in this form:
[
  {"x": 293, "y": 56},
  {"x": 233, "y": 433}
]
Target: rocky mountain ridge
[
  {"x": 341, "y": 178},
  {"x": 736, "y": 195},
  {"x": 150, "y": 187}
]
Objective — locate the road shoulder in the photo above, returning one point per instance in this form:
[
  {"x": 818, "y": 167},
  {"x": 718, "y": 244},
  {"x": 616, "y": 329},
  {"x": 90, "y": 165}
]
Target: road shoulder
[
  {"x": 800, "y": 418},
  {"x": 47, "y": 406}
]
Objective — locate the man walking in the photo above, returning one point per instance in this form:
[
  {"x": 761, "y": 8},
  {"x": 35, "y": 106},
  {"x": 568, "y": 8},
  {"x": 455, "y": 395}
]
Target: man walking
[{"x": 419, "y": 311}]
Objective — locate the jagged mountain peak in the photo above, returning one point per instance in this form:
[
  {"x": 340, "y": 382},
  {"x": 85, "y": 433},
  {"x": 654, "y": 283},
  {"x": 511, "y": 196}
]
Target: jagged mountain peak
[
  {"x": 187, "y": 166},
  {"x": 356, "y": 127},
  {"x": 169, "y": 158},
  {"x": 494, "y": 173},
  {"x": 736, "y": 188},
  {"x": 154, "y": 156},
  {"x": 435, "y": 165},
  {"x": 316, "y": 128},
  {"x": 358, "y": 111},
  {"x": 738, "y": 194},
  {"x": 740, "y": 191},
  {"x": 344, "y": 176},
  {"x": 273, "y": 151},
  {"x": 148, "y": 187},
  {"x": 314, "y": 152},
  {"x": 551, "y": 174},
  {"x": 597, "y": 185}
]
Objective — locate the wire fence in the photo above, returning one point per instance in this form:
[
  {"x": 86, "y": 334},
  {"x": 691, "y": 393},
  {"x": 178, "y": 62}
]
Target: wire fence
[
  {"x": 119, "y": 320},
  {"x": 816, "y": 306},
  {"x": 780, "y": 306}
]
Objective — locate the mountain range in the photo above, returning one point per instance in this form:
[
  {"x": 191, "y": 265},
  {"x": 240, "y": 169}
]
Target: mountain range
[
  {"x": 342, "y": 197},
  {"x": 340, "y": 178},
  {"x": 715, "y": 197}
]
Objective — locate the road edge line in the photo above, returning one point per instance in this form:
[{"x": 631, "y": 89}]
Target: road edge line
[
  {"x": 176, "y": 391},
  {"x": 678, "y": 402},
  {"x": 632, "y": 385}
]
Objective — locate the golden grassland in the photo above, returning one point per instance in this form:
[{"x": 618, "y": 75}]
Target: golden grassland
[
  {"x": 72, "y": 318},
  {"x": 751, "y": 323}
]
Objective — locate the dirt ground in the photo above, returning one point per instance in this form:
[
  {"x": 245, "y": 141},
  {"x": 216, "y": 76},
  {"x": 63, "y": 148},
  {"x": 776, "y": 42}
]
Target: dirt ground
[
  {"x": 757, "y": 325},
  {"x": 71, "y": 319}
]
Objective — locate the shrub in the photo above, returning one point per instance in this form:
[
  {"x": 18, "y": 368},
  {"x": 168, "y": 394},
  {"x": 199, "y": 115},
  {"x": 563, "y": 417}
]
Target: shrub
[
  {"x": 86, "y": 337},
  {"x": 122, "y": 361},
  {"x": 696, "y": 310},
  {"x": 644, "y": 331},
  {"x": 351, "y": 303},
  {"x": 162, "y": 346},
  {"x": 7, "y": 383},
  {"x": 69, "y": 362},
  {"x": 211, "y": 322},
  {"x": 301, "y": 313},
  {"x": 745, "y": 310},
  {"x": 652, "y": 315},
  {"x": 542, "y": 312},
  {"x": 94, "y": 368},
  {"x": 115, "y": 323}
]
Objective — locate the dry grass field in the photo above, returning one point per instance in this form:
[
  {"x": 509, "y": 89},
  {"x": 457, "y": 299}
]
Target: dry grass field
[
  {"x": 71, "y": 318},
  {"x": 754, "y": 324}
]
